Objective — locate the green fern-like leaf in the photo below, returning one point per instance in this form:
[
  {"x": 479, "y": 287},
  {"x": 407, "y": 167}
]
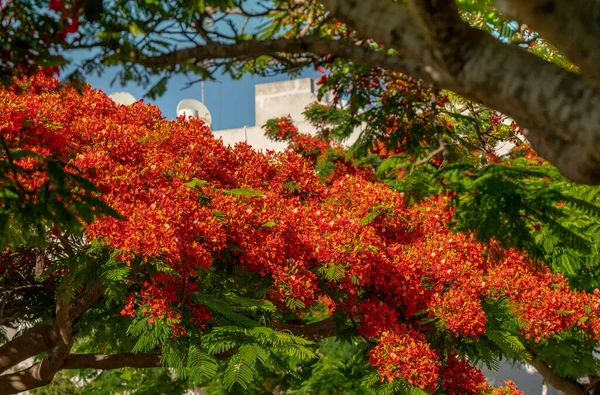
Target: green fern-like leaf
[
  {"x": 200, "y": 364},
  {"x": 332, "y": 272},
  {"x": 149, "y": 335},
  {"x": 239, "y": 371},
  {"x": 510, "y": 344},
  {"x": 230, "y": 315},
  {"x": 174, "y": 356}
]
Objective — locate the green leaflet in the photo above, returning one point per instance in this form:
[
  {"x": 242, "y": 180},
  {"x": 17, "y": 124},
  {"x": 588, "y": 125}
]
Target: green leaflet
[{"x": 239, "y": 192}]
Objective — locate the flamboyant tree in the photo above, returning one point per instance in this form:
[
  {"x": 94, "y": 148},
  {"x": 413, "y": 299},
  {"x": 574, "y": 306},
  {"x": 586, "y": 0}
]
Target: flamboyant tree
[
  {"x": 184, "y": 268},
  {"x": 517, "y": 200},
  {"x": 465, "y": 46},
  {"x": 225, "y": 264},
  {"x": 425, "y": 142}
]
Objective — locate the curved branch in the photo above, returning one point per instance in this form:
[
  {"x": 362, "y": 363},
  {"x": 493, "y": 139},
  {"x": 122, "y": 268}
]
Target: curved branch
[
  {"x": 36, "y": 376},
  {"x": 567, "y": 386},
  {"x": 560, "y": 111},
  {"x": 35, "y": 341},
  {"x": 44, "y": 338},
  {"x": 431, "y": 155},
  {"x": 23, "y": 380},
  {"x": 315, "y": 45}
]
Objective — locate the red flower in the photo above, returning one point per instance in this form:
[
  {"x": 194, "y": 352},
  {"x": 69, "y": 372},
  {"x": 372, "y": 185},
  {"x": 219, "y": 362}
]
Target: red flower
[{"x": 56, "y": 5}]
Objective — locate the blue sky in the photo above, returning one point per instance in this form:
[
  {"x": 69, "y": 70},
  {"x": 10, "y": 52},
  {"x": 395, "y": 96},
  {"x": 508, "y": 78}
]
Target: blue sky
[{"x": 230, "y": 102}]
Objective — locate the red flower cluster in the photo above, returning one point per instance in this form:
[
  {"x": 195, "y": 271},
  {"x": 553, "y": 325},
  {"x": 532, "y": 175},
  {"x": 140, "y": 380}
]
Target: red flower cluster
[
  {"x": 310, "y": 147},
  {"x": 189, "y": 201},
  {"x": 461, "y": 378},
  {"x": 316, "y": 149},
  {"x": 56, "y": 5},
  {"x": 407, "y": 356}
]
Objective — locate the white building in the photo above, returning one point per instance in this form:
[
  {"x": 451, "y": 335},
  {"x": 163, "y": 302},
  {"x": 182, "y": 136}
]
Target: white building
[{"x": 274, "y": 100}]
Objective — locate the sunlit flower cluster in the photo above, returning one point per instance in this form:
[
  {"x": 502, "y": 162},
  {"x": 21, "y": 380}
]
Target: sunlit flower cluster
[{"x": 189, "y": 201}]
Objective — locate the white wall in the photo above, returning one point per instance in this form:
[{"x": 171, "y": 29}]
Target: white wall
[{"x": 275, "y": 100}]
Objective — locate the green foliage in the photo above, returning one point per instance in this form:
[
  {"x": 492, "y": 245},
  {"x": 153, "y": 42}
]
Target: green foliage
[
  {"x": 570, "y": 354},
  {"x": 195, "y": 183},
  {"x": 337, "y": 363},
  {"x": 257, "y": 345},
  {"x": 243, "y": 192},
  {"x": 529, "y": 207},
  {"x": 64, "y": 202},
  {"x": 200, "y": 364},
  {"x": 149, "y": 336},
  {"x": 92, "y": 267},
  {"x": 332, "y": 272},
  {"x": 122, "y": 381},
  {"x": 61, "y": 385},
  {"x": 508, "y": 343}
]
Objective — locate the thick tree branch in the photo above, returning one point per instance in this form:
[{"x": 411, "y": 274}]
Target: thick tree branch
[
  {"x": 449, "y": 39},
  {"x": 35, "y": 341},
  {"x": 560, "y": 110},
  {"x": 572, "y": 26},
  {"x": 567, "y": 386},
  {"x": 23, "y": 380},
  {"x": 385, "y": 22},
  {"x": 314, "y": 45},
  {"x": 44, "y": 338},
  {"x": 315, "y": 331}
]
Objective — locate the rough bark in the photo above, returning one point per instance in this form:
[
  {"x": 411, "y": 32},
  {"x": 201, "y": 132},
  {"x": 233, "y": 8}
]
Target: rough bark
[
  {"x": 559, "y": 109},
  {"x": 572, "y": 26},
  {"x": 385, "y": 22},
  {"x": 60, "y": 338},
  {"x": 37, "y": 340},
  {"x": 444, "y": 33}
]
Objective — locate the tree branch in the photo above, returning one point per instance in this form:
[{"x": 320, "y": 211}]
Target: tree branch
[
  {"x": 44, "y": 338},
  {"x": 35, "y": 341},
  {"x": 572, "y": 26},
  {"x": 315, "y": 45},
  {"x": 384, "y": 22},
  {"x": 560, "y": 111},
  {"x": 567, "y": 386},
  {"x": 315, "y": 331},
  {"x": 108, "y": 362},
  {"x": 431, "y": 155},
  {"x": 449, "y": 39}
]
